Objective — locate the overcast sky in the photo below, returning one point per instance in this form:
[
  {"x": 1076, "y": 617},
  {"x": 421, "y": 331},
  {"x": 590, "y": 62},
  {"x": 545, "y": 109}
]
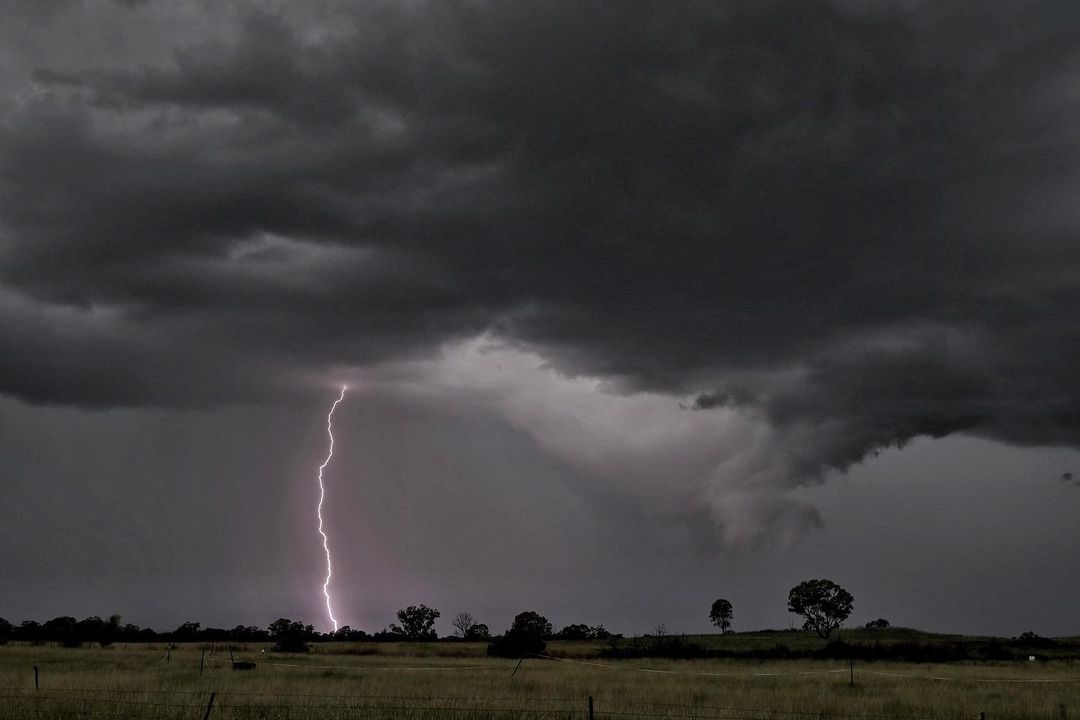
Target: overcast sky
[{"x": 640, "y": 304}]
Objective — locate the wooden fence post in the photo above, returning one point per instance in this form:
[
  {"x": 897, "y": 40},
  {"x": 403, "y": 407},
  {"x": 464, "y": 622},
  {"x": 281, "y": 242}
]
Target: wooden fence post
[
  {"x": 202, "y": 661},
  {"x": 1063, "y": 712},
  {"x": 590, "y": 708},
  {"x": 37, "y": 685},
  {"x": 209, "y": 706}
]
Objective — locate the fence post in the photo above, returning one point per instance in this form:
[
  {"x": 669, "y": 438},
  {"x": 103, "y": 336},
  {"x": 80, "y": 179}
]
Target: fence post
[
  {"x": 982, "y": 716},
  {"x": 202, "y": 661},
  {"x": 209, "y": 706},
  {"x": 1063, "y": 712},
  {"x": 37, "y": 685},
  {"x": 590, "y": 708}
]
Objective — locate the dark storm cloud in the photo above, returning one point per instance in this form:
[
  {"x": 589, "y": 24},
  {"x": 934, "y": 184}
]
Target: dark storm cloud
[{"x": 855, "y": 219}]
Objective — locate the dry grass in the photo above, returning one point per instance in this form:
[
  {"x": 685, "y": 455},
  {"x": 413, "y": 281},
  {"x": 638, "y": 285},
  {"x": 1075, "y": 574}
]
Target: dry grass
[{"x": 458, "y": 681}]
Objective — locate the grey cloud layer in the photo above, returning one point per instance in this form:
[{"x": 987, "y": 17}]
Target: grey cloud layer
[{"x": 856, "y": 219}]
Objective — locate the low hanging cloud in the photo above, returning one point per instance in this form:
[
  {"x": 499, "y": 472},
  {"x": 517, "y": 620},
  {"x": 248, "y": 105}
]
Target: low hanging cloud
[
  {"x": 830, "y": 227},
  {"x": 722, "y": 475}
]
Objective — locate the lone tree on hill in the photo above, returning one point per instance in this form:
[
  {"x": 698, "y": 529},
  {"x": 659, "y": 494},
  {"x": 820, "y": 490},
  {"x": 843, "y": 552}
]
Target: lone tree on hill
[
  {"x": 417, "y": 622},
  {"x": 823, "y": 604},
  {"x": 720, "y": 615}
]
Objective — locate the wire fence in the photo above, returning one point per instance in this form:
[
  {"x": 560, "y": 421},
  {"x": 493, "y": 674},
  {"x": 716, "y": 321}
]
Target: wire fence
[
  {"x": 226, "y": 703},
  {"x": 119, "y": 703}
]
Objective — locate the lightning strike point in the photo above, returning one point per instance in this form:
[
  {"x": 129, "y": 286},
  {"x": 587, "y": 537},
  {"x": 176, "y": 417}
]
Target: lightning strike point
[{"x": 318, "y": 512}]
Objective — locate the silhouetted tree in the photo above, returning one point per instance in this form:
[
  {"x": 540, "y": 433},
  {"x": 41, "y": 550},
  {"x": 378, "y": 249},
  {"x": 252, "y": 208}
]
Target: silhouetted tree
[
  {"x": 417, "y": 623},
  {"x": 525, "y": 636},
  {"x": 134, "y": 633},
  {"x": 7, "y": 631},
  {"x": 290, "y": 635},
  {"x": 188, "y": 632},
  {"x": 247, "y": 633},
  {"x": 720, "y": 614},
  {"x": 346, "y": 633},
  {"x": 879, "y": 624},
  {"x": 30, "y": 631},
  {"x": 63, "y": 630},
  {"x": 577, "y": 631},
  {"x": 581, "y": 631},
  {"x": 462, "y": 623},
  {"x": 532, "y": 624},
  {"x": 90, "y": 629},
  {"x": 479, "y": 631},
  {"x": 108, "y": 631},
  {"x": 1030, "y": 639},
  {"x": 823, "y": 605}
]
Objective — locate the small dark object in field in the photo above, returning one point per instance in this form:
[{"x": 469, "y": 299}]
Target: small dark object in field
[{"x": 243, "y": 665}]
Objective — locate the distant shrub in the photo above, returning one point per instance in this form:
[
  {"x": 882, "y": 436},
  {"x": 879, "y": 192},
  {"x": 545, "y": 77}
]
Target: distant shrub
[
  {"x": 516, "y": 646},
  {"x": 577, "y": 631},
  {"x": 580, "y": 631},
  {"x": 1030, "y": 639},
  {"x": 993, "y": 650},
  {"x": 479, "y": 631},
  {"x": 879, "y": 624},
  {"x": 347, "y": 634}
]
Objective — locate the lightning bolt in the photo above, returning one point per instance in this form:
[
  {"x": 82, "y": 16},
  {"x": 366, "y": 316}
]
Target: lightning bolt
[{"x": 322, "y": 497}]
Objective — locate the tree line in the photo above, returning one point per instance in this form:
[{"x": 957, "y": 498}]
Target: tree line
[
  {"x": 823, "y": 604},
  {"x": 414, "y": 623}
]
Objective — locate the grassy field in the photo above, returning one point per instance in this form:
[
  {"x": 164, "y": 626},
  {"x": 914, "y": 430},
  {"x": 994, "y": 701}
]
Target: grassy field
[{"x": 457, "y": 680}]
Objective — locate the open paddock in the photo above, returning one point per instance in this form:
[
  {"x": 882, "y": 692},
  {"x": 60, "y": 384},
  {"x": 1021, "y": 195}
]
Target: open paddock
[{"x": 458, "y": 680}]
